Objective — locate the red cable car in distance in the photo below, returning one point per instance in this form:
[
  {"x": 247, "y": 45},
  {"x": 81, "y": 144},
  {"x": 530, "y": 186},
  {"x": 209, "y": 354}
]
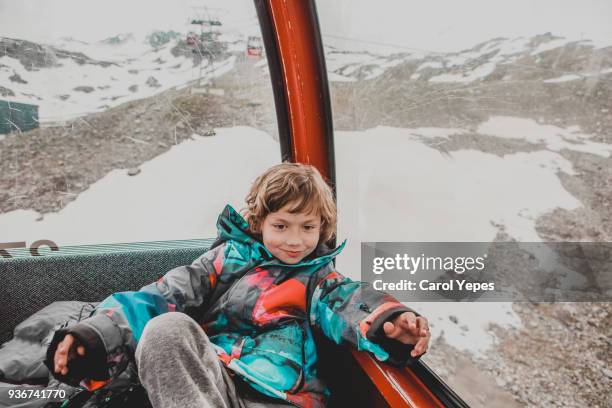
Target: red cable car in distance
[{"x": 254, "y": 46}]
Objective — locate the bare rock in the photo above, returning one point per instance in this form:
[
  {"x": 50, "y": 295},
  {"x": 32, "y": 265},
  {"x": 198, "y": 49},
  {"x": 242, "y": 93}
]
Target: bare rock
[
  {"x": 16, "y": 78},
  {"x": 133, "y": 171},
  {"x": 86, "y": 89},
  {"x": 153, "y": 82},
  {"x": 6, "y": 92}
]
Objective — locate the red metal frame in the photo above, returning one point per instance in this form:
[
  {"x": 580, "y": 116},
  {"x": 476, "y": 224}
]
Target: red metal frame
[
  {"x": 293, "y": 28},
  {"x": 400, "y": 387}
]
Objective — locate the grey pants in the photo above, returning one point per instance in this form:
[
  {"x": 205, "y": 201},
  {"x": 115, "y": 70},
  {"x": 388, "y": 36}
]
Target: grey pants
[{"x": 179, "y": 367}]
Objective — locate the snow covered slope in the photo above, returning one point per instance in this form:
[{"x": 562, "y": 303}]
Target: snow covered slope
[
  {"x": 493, "y": 59},
  {"x": 82, "y": 78}
]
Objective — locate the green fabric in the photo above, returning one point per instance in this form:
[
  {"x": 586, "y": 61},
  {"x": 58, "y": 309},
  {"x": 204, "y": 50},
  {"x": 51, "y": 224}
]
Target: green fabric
[{"x": 87, "y": 273}]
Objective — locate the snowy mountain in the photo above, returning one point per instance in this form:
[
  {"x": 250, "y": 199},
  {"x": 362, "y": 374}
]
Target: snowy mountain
[
  {"x": 497, "y": 59},
  {"x": 73, "y": 78}
]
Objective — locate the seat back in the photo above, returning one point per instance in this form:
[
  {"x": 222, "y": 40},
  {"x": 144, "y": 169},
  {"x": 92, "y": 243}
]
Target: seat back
[{"x": 86, "y": 273}]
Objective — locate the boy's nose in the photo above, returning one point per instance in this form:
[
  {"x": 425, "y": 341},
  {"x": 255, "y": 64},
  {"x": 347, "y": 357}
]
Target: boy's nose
[{"x": 293, "y": 241}]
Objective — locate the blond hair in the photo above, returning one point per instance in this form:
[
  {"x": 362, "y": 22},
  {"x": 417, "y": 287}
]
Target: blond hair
[{"x": 299, "y": 185}]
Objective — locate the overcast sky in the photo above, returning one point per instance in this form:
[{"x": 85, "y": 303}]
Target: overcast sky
[
  {"x": 449, "y": 25},
  {"x": 434, "y": 25}
]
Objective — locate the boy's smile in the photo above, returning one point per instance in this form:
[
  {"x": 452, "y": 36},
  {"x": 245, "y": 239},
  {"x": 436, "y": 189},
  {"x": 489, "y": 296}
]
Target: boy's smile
[{"x": 290, "y": 237}]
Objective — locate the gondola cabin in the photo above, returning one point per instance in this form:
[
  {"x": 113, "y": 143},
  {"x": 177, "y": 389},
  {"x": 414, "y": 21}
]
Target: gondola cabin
[
  {"x": 254, "y": 47},
  {"x": 294, "y": 50}
]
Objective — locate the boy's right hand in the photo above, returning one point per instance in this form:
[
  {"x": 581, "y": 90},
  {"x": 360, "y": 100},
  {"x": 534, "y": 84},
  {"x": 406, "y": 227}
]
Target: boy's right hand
[
  {"x": 409, "y": 328},
  {"x": 67, "y": 350}
]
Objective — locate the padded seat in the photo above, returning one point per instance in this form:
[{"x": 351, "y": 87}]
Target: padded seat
[{"x": 86, "y": 272}]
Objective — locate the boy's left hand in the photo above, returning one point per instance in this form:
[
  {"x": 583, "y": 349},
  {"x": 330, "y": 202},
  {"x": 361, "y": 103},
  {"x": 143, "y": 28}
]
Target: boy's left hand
[{"x": 410, "y": 329}]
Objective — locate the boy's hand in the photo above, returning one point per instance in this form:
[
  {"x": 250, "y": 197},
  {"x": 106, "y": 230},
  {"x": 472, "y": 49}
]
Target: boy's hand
[
  {"x": 67, "y": 350},
  {"x": 410, "y": 329}
]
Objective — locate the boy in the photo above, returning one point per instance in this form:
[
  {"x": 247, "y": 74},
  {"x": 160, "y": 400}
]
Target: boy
[{"x": 249, "y": 305}]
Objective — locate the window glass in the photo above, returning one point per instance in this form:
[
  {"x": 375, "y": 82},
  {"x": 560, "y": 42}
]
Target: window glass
[
  {"x": 129, "y": 121},
  {"x": 479, "y": 121}
]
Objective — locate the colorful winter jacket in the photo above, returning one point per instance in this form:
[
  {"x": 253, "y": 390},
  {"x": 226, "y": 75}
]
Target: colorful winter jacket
[{"x": 258, "y": 312}]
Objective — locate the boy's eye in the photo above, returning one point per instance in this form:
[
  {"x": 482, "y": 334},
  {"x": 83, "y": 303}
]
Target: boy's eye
[
  {"x": 279, "y": 227},
  {"x": 309, "y": 227}
]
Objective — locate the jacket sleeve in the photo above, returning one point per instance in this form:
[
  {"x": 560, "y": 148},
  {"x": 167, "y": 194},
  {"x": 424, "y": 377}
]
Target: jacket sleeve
[
  {"x": 111, "y": 333},
  {"x": 353, "y": 312}
]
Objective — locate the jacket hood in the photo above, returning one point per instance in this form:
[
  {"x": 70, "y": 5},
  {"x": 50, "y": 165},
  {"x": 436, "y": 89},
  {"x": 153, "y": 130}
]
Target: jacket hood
[{"x": 232, "y": 226}]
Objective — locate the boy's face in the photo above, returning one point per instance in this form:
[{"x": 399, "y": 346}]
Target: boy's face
[{"x": 291, "y": 237}]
